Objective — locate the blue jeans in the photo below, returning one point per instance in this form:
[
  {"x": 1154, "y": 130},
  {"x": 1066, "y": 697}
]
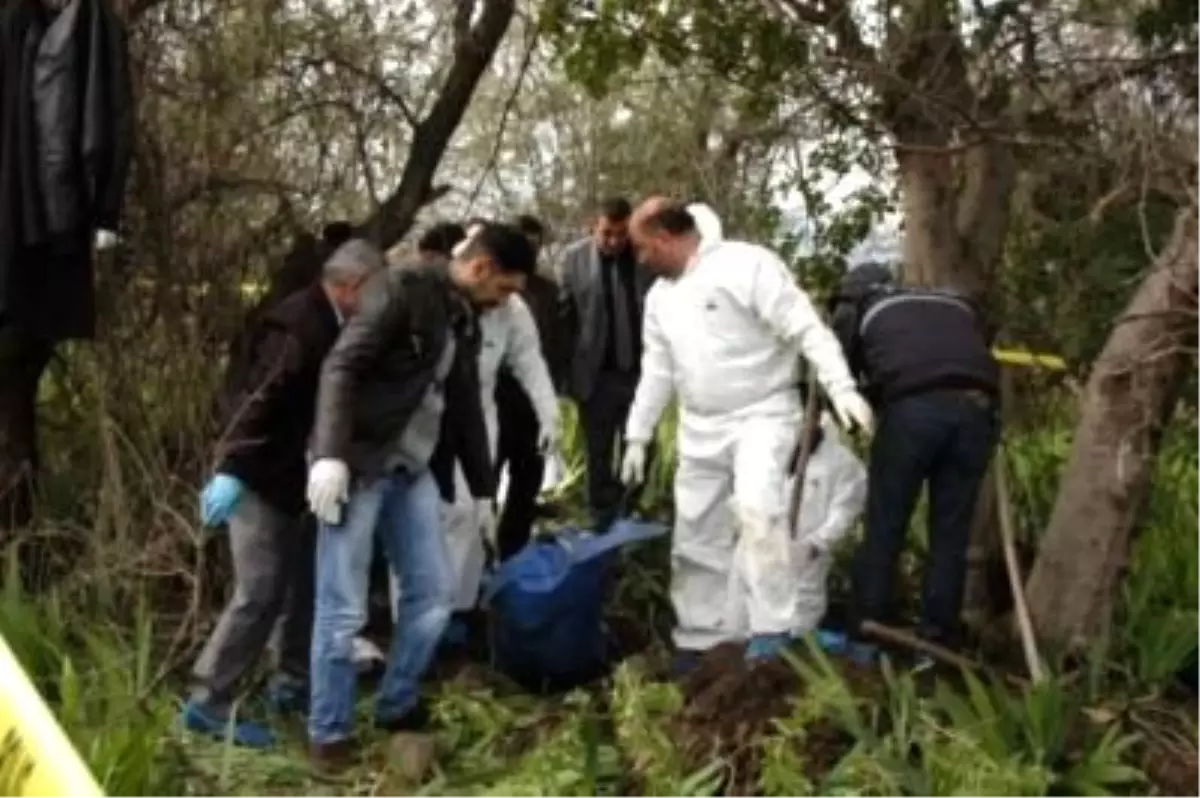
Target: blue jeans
[
  {"x": 402, "y": 513},
  {"x": 944, "y": 438}
]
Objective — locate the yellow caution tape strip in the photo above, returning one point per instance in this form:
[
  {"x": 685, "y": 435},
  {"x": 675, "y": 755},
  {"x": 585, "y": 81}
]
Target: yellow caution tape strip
[
  {"x": 36, "y": 758},
  {"x": 1021, "y": 357}
]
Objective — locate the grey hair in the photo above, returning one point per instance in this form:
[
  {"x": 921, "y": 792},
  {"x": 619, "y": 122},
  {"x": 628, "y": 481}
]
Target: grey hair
[{"x": 353, "y": 260}]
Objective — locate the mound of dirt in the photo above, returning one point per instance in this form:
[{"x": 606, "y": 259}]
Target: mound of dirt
[
  {"x": 730, "y": 705},
  {"x": 1171, "y": 772}
]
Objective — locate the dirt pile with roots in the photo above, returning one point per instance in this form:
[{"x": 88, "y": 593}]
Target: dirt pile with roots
[{"x": 730, "y": 705}]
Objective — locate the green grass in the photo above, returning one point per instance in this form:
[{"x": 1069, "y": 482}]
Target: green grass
[{"x": 111, "y": 667}]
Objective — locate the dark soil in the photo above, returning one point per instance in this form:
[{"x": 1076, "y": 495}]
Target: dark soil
[
  {"x": 1172, "y": 773},
  {"x": 730, "y": 705}
]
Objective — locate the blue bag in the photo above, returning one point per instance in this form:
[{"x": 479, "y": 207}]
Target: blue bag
[{"x": 547, "y": 604}]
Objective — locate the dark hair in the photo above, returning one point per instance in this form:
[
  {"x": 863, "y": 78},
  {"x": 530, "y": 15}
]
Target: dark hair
[
  {"x": 615, "y": 209},
  {"x": 476, "y": 220},
  {"x": 441, "y": 238},
  {"x": 530, "y": 226},
  {"x": 673, "y": 218},
  {"x": 334, "y": 234},
  {"x": 506, "y": 245}
]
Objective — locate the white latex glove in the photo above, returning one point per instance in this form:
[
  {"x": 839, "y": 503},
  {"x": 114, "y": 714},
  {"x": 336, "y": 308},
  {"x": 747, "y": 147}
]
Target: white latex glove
[
  {"x": 633, "y": 465},
  {"x": 328, "y": 489},
  {"x": 485, "y": 514},
  {"x": 547, "y": 437},
  {"x": 104, "y": 239},
  {"x": 853, "y": 411}
]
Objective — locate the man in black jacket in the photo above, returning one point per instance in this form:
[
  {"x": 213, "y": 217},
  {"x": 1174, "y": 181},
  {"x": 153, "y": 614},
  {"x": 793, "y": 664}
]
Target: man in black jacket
[
  {"x": 518, "y": 439},
  {"x": 934, "y": 383},
  {"x": 259, "y": 491},
  {"x": 398, "y": 404}
]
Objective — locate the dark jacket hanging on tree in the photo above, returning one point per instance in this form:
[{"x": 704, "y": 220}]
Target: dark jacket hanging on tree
[{"x": 66, "y": 138}]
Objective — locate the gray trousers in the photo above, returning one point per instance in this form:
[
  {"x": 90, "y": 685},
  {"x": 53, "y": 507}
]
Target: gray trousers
[{"x": 273, "y": 573}]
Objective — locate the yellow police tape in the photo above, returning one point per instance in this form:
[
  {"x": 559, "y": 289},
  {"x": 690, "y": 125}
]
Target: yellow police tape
[
  {"x": 36, "y": 758},
  {"x": 1020, "y": 357}
]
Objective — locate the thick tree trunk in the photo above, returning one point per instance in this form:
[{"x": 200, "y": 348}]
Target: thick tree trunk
[
  {"x": 21, "y": 365},
  {"x": 956, "y": 216},
  {"x": 1131, "y": 391}
]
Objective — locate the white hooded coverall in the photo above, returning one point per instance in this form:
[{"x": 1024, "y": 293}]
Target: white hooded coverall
[
  {"x": 835, "y": 493},
  {"x": 725, "y": 337},
  {"x": 508, "y": 336}
]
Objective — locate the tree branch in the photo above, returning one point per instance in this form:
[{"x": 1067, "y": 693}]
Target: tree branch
[
  {"x": 382, "y": 87},
  {"x": 473, "y": 52},
  {"x": 509, "y": 104}
]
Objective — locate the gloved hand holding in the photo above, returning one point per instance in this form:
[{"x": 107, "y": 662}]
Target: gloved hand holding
[
  {"x": 633, "y": 466},
  {"x": 853, "y": 411},
  {"x": 485, "y": 515},
  {"x": 104, "y": 239},
  {"x": 328, "y": 489},
  {"x": 218, "y": 499},
  {"x": 548, "y": 436}
]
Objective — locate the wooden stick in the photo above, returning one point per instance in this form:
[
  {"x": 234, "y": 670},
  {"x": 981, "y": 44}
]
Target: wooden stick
[
  {"x": 899, "y": 637},
  {"x": 1033, "y": 659},
  {"x": 803, "y": 450}
]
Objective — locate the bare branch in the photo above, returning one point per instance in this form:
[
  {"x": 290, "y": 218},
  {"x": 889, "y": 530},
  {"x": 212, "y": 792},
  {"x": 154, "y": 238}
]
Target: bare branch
[
  {"x": 509, "y": 104},
  {"x": 432, "y": 134},
  {"x": 381, "y": 85}
]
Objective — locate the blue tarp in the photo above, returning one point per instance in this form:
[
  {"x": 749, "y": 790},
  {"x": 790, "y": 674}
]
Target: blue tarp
[{"x": 547, "y": 603}]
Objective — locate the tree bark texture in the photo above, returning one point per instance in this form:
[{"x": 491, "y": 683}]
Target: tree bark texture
[{"x": 1128, "y": 398}]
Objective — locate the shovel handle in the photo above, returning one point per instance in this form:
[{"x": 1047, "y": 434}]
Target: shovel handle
[{"x": 800, "y": 455}]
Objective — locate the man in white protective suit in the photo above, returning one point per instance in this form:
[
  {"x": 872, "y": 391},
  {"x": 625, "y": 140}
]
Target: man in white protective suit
[
  {"x": 508, "y": 337},
  {"x": 723, "y": 332}
]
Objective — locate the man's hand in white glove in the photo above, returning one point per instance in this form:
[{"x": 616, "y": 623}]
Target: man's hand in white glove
[
  {"x": 328, "y": 489},
  {"x": 633, "y": 466},
  {"x": 853, "y": 411},
  {"x": 547, "y": 436},
  {"x": 485, "y": 516},
  {"x": 104, "y": 239}
]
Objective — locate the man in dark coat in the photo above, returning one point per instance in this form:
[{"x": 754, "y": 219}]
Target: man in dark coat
[
  {"x": 925, "y": 359},
  {"x": 66, "y": 138},
  {"x": 398, "y": 405},
  {"x": 259, "y": 491}
]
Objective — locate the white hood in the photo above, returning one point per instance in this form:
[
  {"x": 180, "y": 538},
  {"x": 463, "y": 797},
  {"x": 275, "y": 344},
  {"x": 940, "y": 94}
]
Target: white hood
[{"x": 708, "y": 224}]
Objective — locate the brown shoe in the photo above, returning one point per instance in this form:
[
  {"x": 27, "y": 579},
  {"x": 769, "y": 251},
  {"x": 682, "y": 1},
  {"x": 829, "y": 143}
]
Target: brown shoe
[{"x": 333, "y": 759}]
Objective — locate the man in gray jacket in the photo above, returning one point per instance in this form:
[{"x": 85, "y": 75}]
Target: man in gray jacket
[{"x": 603, "y": 298}]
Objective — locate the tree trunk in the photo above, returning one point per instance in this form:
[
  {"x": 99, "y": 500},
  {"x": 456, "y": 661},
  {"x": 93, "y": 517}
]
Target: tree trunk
[
  {"x": 1132, "y": 389},
  {"x": 954, "y": 237},
  {"x": 21, "y": 365}
]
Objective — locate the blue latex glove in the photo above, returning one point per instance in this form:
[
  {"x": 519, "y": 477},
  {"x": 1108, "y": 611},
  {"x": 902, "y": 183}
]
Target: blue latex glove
[{"x": 218, "y": 499}]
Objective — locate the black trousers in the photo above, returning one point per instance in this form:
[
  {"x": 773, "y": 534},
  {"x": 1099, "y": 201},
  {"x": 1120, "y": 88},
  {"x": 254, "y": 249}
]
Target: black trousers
[
  {"x": 944, "y": 439},
  {"x": 603, "y": 417},
  {"x": 518, "y": 449}
]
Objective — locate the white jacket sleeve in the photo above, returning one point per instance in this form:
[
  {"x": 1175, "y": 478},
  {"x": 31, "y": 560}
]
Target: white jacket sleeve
[
  {"x": 524, "y": 357},
  {"x": 657, "y": 382},
  {"x": 790, "y": 313},
  {"x": 848, "y": 496}
]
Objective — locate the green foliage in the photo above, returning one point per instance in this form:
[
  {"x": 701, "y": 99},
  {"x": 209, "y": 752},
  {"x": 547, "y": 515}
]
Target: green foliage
[
  {"x": 99, "y": 678},
  {"x": 735, "y": 41}
]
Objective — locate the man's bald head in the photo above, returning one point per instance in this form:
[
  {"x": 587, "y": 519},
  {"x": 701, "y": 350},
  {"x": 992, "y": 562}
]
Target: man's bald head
[
  {"x": 664, "y": 235},
  {"x": 649, "y": 207}
]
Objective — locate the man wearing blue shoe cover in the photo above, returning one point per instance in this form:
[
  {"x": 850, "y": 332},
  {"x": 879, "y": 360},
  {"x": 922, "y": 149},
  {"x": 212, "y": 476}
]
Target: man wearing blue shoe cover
[
  {"x": 724, "y": 328},
  {"x": 259, "y": 492}
]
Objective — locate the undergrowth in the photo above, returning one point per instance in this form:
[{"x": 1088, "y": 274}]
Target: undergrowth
[{"x": 110, "y": 643}]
